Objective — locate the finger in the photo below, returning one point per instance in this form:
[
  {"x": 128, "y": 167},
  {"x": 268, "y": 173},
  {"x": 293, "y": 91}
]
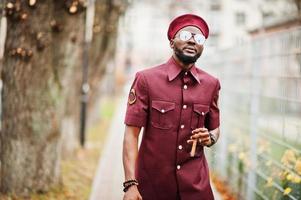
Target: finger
[
  {"x": 200, "y": 140},
  {"x": 205, "y": 136},
  {"x": 197, "y": 130},
  {"x": 190, "y": 141},
  {"x": 199, "y": 135},
  {"x": 200, "y": 130},
  {"x": 195, "y": 136},
  {"x": 204, "y": 133},
  {"x": 205, "y": 140},
  {"x": 204, "y": 129}
]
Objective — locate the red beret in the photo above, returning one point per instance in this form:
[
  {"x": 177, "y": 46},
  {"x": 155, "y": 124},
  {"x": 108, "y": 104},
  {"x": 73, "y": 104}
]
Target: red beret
[{"x": 187, "y": 20}]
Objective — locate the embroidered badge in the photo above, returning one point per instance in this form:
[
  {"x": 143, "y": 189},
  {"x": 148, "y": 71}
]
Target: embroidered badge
[{"x": 132, "y": 96}]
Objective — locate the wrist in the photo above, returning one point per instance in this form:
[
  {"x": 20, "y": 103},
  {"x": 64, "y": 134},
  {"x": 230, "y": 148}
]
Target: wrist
[
  {"x": 132, "y": 188},
  {"x": 212, "y": 139},
  {"x": 129, "y": 183}
]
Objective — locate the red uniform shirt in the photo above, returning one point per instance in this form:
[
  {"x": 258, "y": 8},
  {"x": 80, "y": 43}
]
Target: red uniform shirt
[{"x": 169, "y": 103}]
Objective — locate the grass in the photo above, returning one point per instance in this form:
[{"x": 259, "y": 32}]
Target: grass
[{"x": 78, "y": 171}]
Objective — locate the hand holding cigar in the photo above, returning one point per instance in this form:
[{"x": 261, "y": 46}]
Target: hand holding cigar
[{"x": 200, "y": 135}]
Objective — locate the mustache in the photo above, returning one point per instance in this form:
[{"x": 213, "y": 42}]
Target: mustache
[{"x": 190, "y": 48}]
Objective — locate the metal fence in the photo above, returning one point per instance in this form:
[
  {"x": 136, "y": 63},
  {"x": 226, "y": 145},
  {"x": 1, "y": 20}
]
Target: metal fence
[{"x": 259, "y": 153}]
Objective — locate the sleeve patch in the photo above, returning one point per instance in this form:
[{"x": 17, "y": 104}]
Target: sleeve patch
[{"x": 132, "y": 97}]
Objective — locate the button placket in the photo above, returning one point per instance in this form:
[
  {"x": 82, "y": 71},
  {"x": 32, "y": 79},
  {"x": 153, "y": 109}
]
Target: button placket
[{"x": 184, "y": 122}]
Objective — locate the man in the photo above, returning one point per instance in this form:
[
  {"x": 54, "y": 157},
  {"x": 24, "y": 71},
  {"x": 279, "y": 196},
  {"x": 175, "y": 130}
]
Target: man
[{"x": 176, "y": 103}]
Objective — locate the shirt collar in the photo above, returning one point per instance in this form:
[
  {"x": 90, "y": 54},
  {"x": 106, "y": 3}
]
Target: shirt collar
[{"x": 174, "y": 69}]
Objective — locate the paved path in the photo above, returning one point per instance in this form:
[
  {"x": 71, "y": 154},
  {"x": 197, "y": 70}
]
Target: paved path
[{"x": 107, "y": 184}]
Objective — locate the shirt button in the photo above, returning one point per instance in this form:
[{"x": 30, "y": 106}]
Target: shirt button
[
  {"x": 178, "y": 167},
  {"x": 203, "y": 113},
  {"x": 162, "y": 111},
  {"x": 186, "y": 73},
  {"x": 180, "y": 147},
  {"x": 184, "y": 106},
  {"x": 185, "y": 87},
  {"x": 182, "y": 126}
]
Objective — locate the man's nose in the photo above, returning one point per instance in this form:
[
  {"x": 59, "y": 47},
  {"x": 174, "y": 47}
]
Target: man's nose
[{"x": 191, "y": 40}]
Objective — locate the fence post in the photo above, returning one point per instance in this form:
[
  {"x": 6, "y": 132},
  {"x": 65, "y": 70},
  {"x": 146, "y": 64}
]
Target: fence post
[{"x": 255, "y": 62}]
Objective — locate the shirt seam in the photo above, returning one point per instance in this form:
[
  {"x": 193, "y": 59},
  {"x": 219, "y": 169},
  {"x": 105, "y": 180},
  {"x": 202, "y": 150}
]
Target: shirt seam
[
  {"x": 145, "y": 85},
  {"x": 215, "y": 91}
]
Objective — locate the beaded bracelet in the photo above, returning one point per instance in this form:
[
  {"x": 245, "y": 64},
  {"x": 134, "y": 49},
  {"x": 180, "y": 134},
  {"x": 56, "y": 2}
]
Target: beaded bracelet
[
  {"x": 128, "y": 185},
  {"x": 129, "y": 181}
]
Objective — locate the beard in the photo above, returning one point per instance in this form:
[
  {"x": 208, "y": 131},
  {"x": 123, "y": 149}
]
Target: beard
[{"x": 185, "y": 59}]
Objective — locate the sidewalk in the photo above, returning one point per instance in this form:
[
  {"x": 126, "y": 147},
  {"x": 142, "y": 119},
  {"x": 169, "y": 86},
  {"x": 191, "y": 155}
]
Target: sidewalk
[
  {"x": 107, "y": 183},
  {"x": 109, "y": 177}
]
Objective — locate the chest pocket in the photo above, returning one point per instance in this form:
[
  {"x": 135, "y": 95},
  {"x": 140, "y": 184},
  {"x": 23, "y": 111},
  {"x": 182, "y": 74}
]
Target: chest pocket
[
  {"x": 198, "y": 115},
  {"x": 162, "y": 114}
]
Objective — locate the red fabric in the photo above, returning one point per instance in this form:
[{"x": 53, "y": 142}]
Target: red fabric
[
  {"x": 162, "y": 88},
  {"x": 187, "y": 20}
]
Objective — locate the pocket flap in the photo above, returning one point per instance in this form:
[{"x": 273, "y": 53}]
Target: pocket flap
[
  {"x": 200, "y": 109},
  {"x": 163, "y": 106}
]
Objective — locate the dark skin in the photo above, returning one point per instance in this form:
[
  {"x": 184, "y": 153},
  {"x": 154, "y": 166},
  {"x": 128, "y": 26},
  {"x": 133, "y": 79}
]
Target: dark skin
[
  {"x": 188, "y": 48},
  {"x": 131, "y": 135},
  {"x": 130, "y": 153}
]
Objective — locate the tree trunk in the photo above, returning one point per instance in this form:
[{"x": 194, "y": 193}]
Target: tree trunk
[
  {"x": 107, "y": 14},
  {"x": 69, "y": 58},
  {"x": 35, "y": 73},
  {"x": 41, "y": 86},
  {"x": 31, "y": 97},
  {"x": 102, "y": 48}
]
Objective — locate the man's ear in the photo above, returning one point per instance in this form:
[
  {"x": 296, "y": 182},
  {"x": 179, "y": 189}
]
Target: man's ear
[{"x": 171, "y": 43}]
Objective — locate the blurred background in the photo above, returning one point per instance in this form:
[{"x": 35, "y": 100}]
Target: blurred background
[{"x": 66, "y": 69}]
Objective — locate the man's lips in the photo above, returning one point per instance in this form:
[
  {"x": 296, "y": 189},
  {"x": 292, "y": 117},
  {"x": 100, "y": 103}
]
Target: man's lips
[{"x": 190, "y": 49}]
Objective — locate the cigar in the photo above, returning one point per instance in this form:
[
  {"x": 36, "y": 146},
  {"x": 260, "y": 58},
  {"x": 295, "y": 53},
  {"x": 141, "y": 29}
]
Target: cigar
[{"x": 192, "y": 152}]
